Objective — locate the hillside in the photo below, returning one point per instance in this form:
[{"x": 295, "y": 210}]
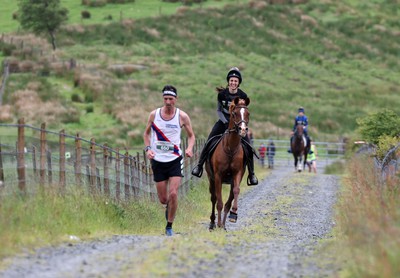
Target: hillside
[{"x": 338, "y": 59}]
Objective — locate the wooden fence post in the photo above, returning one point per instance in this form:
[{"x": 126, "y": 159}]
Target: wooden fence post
[
  {"x": 98, "y": 180},
  {"x": 78, "y": 160},
  {"x": 184, "y": 169},
  {"x": 49, "y": 167},
  {"x": 126, "y": 176},
  {"x": 1, "y": 167},
  {"x": 62, "y": 159},
  {"x": 21, "y": 156},
  {"x": 133, "y": 175},
  {"x": 106, "y": 173},
  {"x": 117, "y": 176},
  {"x": 42, "y": 169},
  {"x": 34, "y": 162},
  {"x": 92, "y": 165}
]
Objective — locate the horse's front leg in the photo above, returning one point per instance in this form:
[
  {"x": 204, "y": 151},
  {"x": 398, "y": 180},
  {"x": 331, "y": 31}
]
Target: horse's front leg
[
  {"x": 212, "y": 216},
  {"x": 300, "y": 165},
  {"x": 235, "y": 191},
  {"x": 213, "y": 201},
  {"x": 295, "y": 162},
  {"x": 228, "y": 204},
  {"x": 218, "y": 194}
]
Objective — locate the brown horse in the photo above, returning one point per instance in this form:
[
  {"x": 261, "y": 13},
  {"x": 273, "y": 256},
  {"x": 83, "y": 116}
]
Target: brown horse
[
  {"x": 299, "y": 148},
  {"x": 228, "y": 163}
]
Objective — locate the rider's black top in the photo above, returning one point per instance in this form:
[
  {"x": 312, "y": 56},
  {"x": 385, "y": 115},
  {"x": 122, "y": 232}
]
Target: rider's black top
[{"x": 224, "y": 101}]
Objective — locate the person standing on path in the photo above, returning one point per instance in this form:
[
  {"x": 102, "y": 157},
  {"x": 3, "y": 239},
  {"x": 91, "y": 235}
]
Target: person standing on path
[
  {"x": 162, "y": 138},
  {"x": 262, "y": 150},
  {"x": 270, "y": 154},
  {"x": 313, "y": 157}
]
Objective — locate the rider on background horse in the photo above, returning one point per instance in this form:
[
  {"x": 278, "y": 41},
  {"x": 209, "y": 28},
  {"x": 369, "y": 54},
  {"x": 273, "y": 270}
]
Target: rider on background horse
[
  {"x": 225, "y": 98},
  {"x": 300, "y": 119}
]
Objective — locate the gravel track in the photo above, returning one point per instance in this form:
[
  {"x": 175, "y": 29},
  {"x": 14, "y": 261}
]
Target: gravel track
[{"x": 284, "y": 217}]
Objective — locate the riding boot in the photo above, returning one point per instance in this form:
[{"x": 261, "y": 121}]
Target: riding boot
[
  {"x": 251, "y": 179},
  {"x": 309, "y": 145},
  {"x": 198, "y": 169},
  {"x": 290, "y": 145}
]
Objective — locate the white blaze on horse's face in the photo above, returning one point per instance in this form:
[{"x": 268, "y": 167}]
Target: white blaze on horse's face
[{"x": 243, "y": 126}]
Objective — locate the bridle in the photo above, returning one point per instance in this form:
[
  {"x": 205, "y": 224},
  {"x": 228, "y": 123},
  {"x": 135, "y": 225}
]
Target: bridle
[
  {"x": 298, "y": 135},
  {"x": 238, "y": 123}
]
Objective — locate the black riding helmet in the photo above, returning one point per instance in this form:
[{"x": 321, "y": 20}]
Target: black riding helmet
[{"x": 234, "y": 72}]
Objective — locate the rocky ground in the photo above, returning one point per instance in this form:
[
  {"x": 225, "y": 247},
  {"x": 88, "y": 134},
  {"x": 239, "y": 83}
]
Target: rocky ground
[{"x": 284, "y": 220}]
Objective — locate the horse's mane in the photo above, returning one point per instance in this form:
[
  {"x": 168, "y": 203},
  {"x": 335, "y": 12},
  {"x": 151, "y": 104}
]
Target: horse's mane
[{"x": 233, "y": 105}]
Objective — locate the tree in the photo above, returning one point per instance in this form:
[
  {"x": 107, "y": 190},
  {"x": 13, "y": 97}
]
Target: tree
[
  {"x": 42, "y": 16},
  {"x": 373, "y": 126}
]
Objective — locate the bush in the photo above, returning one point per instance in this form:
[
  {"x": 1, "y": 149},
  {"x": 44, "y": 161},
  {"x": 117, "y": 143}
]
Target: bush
[
  {"x": 373, "y": 126},
  {"x": 385, "y": 143},
  {"x": 120, "y": 1},
  {"x": 94, "y": 3},
  {"x": 85, "y": 14},
  {"x": 7, "y": 48},
  {"x": 89, "y": 108},
  {"x": 76, "y": 98}
]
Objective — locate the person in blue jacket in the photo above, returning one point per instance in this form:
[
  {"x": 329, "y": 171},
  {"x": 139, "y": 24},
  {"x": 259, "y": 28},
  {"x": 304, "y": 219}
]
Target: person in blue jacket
[{"x": 300, "y": 119}]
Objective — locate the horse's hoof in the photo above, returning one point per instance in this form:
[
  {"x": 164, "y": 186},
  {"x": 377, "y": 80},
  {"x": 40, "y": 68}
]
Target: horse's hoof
[
  {"x": 232, "y": 217},
  {"x": 212, "y": 226}
]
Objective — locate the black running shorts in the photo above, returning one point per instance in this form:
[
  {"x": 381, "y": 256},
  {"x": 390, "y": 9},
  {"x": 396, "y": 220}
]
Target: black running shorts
[{"x": 164, "y": 170}]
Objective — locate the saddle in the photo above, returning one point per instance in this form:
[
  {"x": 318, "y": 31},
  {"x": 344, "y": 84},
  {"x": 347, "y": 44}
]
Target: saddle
[{"x": 213, "y": 143}]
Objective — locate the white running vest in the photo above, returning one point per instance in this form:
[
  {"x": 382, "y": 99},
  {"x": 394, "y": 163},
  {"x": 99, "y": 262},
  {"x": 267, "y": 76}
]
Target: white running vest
[{"x": 166, "y": 137}]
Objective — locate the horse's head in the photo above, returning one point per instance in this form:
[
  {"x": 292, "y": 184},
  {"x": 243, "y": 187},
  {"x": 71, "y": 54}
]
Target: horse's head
[
  {"x": 239, "y": 116},
  {"x": 299, "y": 131}
]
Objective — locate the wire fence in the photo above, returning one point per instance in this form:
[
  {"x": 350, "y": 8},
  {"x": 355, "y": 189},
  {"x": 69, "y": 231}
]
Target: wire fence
[
  {"x": 328, "y": 152},
  {"x": 32, "y": 157},
  {"x": 388, "y": 167}
]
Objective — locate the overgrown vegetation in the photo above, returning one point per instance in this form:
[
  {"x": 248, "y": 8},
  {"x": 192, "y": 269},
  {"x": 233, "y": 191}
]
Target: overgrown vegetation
[
  {"x": 368, "y": 222},
  {"x": 381, "y": 129}
]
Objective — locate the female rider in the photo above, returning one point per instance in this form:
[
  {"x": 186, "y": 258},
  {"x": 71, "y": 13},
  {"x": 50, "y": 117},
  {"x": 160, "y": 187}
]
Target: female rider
[{"x": 225, "y": 97}]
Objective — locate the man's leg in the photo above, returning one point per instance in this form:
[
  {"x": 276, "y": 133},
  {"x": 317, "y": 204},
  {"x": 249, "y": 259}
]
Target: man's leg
[
  {"x": 170, "y": 199},
  {"x": 174, "y": 183},
  {"x": 162, "y": 192}
]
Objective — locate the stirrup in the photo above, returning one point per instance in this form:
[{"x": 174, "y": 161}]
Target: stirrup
[
  {"x": 252, "y": 180},
  {"x": 197, "y": 171}
]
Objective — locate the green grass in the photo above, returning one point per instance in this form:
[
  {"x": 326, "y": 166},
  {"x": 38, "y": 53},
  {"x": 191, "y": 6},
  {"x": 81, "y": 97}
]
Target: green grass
[
  {"x": 48, "y": 217},
  {"x": 339, "y": 70},
  {"x": 137, "y": 10}
]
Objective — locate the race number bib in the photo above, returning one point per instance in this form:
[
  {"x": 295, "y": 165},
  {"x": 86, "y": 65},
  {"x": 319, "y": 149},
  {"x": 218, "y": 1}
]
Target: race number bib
[{"x": 164, "y": 146}]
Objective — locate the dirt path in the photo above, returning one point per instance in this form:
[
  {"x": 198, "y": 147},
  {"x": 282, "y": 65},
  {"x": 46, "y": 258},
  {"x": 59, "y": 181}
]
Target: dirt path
[{"x": 280, "y": 224}]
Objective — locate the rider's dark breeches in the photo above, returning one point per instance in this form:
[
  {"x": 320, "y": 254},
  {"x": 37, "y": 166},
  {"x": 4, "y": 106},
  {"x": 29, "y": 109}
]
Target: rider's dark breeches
[
  {"x": 218, "y": 128},
  {"x": 250, "y": 164}
]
